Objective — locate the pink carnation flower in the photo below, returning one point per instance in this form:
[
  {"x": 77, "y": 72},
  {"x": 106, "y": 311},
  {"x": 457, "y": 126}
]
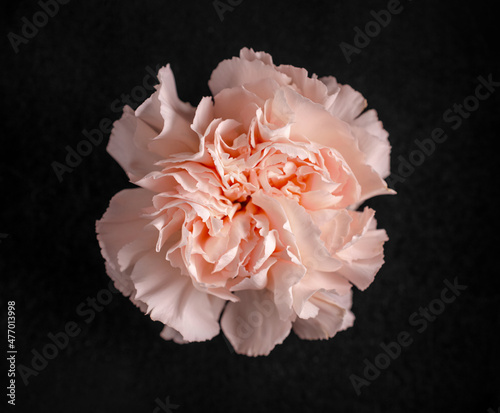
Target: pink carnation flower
[{"x": 245, "y": 211}]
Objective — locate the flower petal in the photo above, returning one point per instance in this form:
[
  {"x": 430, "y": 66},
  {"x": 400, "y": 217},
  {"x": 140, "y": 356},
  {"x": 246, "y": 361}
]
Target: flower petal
[
  {"x": 372, "y": 139},
  {"x": 237, "y": 72},
  {"x": 363, "y": 255},
  {"x": 169, "y": 333},
  {"x": 176, "y": 137},
  {"x": 172, "y": 299},
  {"x": 252, "y": 325},
  {"x": 326, "y": 324},
  {"x": 123, "y": 222},
  {"x": 135, "y": 160}
]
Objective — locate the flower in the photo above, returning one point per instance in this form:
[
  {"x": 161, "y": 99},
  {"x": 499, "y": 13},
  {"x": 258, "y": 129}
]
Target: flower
[{"x": 245, "y": 210}]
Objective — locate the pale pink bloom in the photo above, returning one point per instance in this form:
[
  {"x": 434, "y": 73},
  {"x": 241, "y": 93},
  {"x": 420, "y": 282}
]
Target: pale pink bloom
[{"x": 246, "y": 205}]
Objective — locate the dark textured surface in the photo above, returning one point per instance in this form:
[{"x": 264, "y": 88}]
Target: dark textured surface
[{"x": 441, "y": 225}]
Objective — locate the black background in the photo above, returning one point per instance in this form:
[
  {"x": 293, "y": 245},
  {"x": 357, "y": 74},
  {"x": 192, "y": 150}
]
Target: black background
[{"x": 441, "y": 225}]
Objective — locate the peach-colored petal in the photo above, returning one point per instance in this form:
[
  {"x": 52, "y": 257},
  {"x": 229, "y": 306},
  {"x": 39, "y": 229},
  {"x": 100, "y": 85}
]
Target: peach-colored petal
[
  {"x": 176, "y": 137},
  {"x": 150, "y": 112},
  {"x": 373, "y": 142},
  {"x": 283, "y": 275},
  {"x": 332, "y": 86},
  {"x": 328, "y": 321},
  {"x": 250, "y": 54},
  {"x": 369, "y": 121},
  {"x": 123, "y": 222},
  {"x": 172, "y": 299},
  {"x": 252, "y": 325},
  {"x": 308, "y": 237},
  {"x": 309, "y": 87},
  {"x": 136, "y": 160},
  {"x": 238, "y": 72},
  {"x": 313, "y": 282},
  {"x": 348, "y": 104},
  {"x": 363, "y": 255},
  {"x": 238, "y": 104},
  {"x": 124, "y": 284},
  {"x": 168, "y": 333},
  {"x": 345, "y": 301}
]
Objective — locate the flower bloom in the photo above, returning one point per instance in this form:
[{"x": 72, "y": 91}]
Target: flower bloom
[{"x": 244, "y": 217}]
